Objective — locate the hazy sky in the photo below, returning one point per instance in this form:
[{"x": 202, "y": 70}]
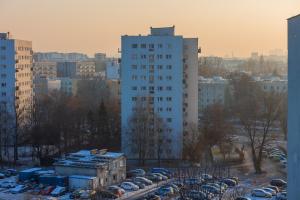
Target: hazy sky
[{"x": 88, "y": 26}]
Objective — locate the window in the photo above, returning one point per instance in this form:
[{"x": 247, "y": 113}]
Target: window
[
  {"x": 3, "y": 75},
  {"x": 159, "y": 56},
  {"x": 2, "y": 57},
  {"x": 160, "y": 46},
  {"x": 169, "y": 66},
  {"x": 160, "y": 78},
  {"x": 143, "y": 67},
  {"x": 169, "y": 88},
  {"x": 133, "y": 66},
  {"x": 169, "y": 119},
  {"x": 169, "y": 78},
  {"x": 169, "y": 109},
  {"x": 134, "y": 98},
  {"x": 134, "y": 46},
  {"x": 3, "y": 84},
  {"x": 134, "y": 56},
  {"x": 143, "y": 46},
  {"x": 144, "y": 88},
  {"x": 134, "y": 88},
  {"x": 168, "y": 56},
  {"x": 160, "y": 67},
  {"x": 3, "y": 47},
  {"x": 169, "y": 46},
  {"x": 134, "y": 77},
  {"x": 169, "y": 98},
  {"x": 3, "y": 94},
  {"x": 159, "y": 88},
  {"x": 151, "y": 46},
  {"x": 143, "y": 56}
]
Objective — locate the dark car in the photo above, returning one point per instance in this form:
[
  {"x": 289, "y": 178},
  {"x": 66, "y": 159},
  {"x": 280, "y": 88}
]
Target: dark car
[
  {"x": 136, "y": 172},
  {"x": 229, "y": 182},
  {"x": 278, "y": 183},
  {"x": 106, "y": 194},
  {"x": 196, "y": 195},
  {"x": 152, "y": 197},
  {"x": 242, "y": 198}
]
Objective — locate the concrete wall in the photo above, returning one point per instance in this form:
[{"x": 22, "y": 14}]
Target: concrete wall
[{"x": 293, "y": 108}]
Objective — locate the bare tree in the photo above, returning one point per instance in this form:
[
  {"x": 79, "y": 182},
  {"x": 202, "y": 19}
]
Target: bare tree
[
  {"x": 257, "y": 111},
  {"x": 145, "y": 132},
  {"x": 215, "y": 128},
  {"x": 283, "y": 114}
]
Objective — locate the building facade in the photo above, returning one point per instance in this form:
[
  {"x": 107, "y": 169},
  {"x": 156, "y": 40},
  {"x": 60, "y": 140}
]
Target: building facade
[
  {"x": 112, "y": 71},
  {"x": 45, "y": 69},
  {"x": 211, "y": 91},
  {"x": 162, "y": 69},
  {"x": 16, "y": 81},
  {"x": 108, "y": 167},
  {"x": 293, "y": 108}
]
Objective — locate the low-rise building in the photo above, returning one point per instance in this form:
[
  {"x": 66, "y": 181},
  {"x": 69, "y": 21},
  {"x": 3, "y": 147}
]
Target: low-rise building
[
  {"x": 69, "y": 86},
  {"x": 108, "y": 167}
]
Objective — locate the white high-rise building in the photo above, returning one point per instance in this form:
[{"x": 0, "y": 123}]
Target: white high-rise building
[
  {"x": 293, "y": 108},
  {"x": 16, "y": 92},
  {"x": 162, "y": 68}
]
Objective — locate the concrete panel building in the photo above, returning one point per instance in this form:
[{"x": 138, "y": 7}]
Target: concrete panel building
[
  {"x": 16, "y": 81},
  {"x": 162, "y": 68},
  {"x": 293, "y": 108}
]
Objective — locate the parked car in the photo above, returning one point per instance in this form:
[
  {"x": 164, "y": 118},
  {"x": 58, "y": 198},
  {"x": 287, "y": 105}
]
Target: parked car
[
  {"x": 129, "y": 186},
  {"x": 139, "y": 184},
  {"x": 229, "y": 182},
  {"x": 136, "y": 172},
  {"x": 153, "y": 197},
  {"x": 278, "y": 183},
  {"x": 58, "y": 191},
  {"x": 242, "y": 198},
  {"x": 193, "y": 181},
  {"x": 19, "y": 189},
  {"x": 260, "y": 193},
  {"x": 175, "y": 187},
  {"x": 271, "y": 191},
  {"x": 206, "y": 177},
  {"x": 13, "y": 172},
  {"x": 281, "y": 196},
  {"x": 161, "y": 170},
  {"x": 211, "y": 189},
  {"x": 197, "y": 195},
  {"x": 165, "y": 191},
  {"x": 154, "y": 177},
  {"x": 47, "y": 190},
  {"x": 273, "y": 188},
  {"x": 116, "y": 190},
  {"x": 106, "y": 195},
  {"x": 2, "y": 175},
  {"x": 143, "y": 180},
  {"x": 8, "y": 184},
  {"x": 162, "y": 176}
]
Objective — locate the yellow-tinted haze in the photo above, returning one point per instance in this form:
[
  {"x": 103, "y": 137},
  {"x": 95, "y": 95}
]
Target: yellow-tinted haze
[{"x": 88, "y": 26}]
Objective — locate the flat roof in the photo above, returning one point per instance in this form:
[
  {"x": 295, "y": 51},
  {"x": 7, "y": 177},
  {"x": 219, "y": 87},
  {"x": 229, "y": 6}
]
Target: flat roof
[
  {"x": 293, "y": 17},
  {"x": 82, "y": 177}
]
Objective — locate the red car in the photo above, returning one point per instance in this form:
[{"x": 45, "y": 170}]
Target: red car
[{"x": 47, "y": 190}]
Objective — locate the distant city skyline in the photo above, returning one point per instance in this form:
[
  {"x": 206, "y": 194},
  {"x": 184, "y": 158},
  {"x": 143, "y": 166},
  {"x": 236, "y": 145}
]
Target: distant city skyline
[{"x": 230, "y": 27}]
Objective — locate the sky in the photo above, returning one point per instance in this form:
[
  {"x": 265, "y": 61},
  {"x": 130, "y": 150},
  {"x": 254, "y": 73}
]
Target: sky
[{"x": 224, "y": 27}]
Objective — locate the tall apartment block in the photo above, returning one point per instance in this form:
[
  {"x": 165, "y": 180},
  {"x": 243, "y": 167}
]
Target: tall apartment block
[
  {"x": 293, "y": 107},
  {"x": 16, "y": 75},
  {"x": 164, "y": 67}
]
